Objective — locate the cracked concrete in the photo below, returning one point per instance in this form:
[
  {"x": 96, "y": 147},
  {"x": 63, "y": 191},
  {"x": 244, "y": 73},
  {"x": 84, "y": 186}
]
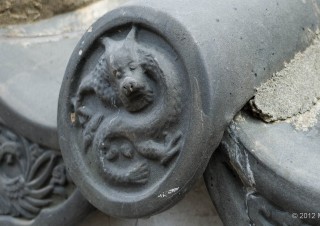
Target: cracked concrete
[{"x": 292, "y": 91}]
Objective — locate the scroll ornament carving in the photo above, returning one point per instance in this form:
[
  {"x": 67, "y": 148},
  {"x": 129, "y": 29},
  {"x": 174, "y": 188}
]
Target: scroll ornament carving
[
  {"x": 138, "y": 107},
  {"x": 31, "y": 177},
  {"x": 262, "y": 212}
]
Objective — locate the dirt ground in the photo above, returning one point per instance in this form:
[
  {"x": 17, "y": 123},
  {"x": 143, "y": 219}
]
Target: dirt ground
[{"x": 24, "y": 11}]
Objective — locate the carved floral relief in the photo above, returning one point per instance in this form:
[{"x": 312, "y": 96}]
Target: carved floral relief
[{"x": 31, "y": 177}]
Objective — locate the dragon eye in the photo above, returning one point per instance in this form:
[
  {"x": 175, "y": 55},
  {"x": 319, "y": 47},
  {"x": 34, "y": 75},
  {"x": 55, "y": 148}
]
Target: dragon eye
[
  {"x": 114, "y": 72},
  {"x": 117, "y": 74}
]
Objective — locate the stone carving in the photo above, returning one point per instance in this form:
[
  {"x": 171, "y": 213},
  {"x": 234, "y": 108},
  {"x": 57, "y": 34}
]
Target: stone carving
[
  {"x": 138, "y": 107},
  {"x": 120, "y": 77},
  {"x": 262, "y": 212},
  {"x": 30, "y": 176}
]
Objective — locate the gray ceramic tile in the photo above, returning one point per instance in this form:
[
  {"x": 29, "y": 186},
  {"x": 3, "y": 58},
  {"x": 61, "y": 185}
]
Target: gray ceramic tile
[{"x": 195, "y": 209}]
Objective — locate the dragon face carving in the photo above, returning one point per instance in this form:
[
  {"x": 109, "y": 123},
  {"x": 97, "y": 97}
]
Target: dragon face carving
[
  {"x": 124, "y": 117},
  {"x": 122, "y": 76},
  {"x": 128, "y": 74},
  {"x": 127, "y": 108},
  {"x": 141, "y": 106}
]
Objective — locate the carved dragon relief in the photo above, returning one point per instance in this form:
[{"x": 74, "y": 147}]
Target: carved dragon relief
[
  {"x": 143, "y": 105},
  {"x": 31, "y": 177}
]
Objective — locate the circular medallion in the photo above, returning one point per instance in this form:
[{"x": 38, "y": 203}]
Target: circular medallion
[{"x": 124, "y": 121}]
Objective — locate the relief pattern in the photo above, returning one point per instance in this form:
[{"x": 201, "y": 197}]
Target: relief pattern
[
  {"x": 31, "y": 177},
  {"x": 263, "y": 213},
  {"x": 141, "y": 106}
]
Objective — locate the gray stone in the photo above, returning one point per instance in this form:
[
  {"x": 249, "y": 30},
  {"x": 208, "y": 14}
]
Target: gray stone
[
  {"x": 34, "y": 58},
  {"x": 195, "y": 209},
  {"x": 152, "y": 85},
  {"x": 266, "y": 174},
  {"x": 35, "y": 189}
]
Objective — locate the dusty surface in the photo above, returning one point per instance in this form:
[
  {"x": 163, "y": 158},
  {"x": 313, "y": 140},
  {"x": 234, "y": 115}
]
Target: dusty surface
[
  {"x": 195, "y": 209},
  {"x": 22, "y": 11},
  {"x": 306, "y": 120},
  {"x": 293, "y": 91},
  {"x": 64, "y": 26},
  {"x": 39, "y": 52}
]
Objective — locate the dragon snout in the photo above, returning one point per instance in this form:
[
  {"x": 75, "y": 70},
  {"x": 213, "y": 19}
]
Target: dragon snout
[{"x": 130, "y": 86}]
